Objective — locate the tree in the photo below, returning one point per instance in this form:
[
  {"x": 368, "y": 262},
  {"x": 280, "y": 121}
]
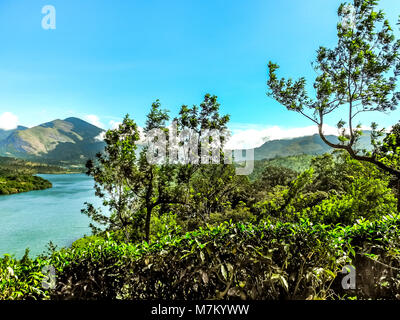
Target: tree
[
  {"x": 133, "y": 189},
  {"x": 159, "y": 181},
  {"x": 117, "y": 181},
  {"x": 170, "y": 183},
  {"x": 389, "y": 152},
  {"x": 209, "y": 182},
  {"x": 273, "y": 176},
  {"x": 359, "y": 75}
]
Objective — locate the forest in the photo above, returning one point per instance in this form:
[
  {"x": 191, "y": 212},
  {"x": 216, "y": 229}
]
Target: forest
[{"x": 291, "y": 230}]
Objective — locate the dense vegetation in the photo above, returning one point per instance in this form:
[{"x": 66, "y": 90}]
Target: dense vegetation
[
  {"x": 283, "y": 235},
  {"x": 298, "y": 163},
  {"x": 230, "y": 261},
  {"x": 16, "y": 183},
  {"x": 357, "y": 76},
  {"x": 18, "y": 175},
  {"x": 19, "y": 166},
  {"x": 199, "y": 231}
]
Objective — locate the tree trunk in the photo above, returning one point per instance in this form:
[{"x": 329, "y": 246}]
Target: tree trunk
[
  {"x": 149, "y": 209},
  {"x": 398, "y": 194}
]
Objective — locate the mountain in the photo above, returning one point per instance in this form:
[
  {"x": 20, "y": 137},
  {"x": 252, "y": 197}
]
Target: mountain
[
  {"x": 69, "y": 140},
  {"x": 74, "y": 141},
  {"x": 4, "y": 134},
  {"x": 311, "y": 145}
]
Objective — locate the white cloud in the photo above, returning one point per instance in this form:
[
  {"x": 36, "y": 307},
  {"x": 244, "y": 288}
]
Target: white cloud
[
  {"x": 94, "y": 120},
  {"x": 100, "y": 136},
  {"x": 8, "y": 121},
  {"x": 247, "y": 136},
  {"x": 114, "y": 124}
]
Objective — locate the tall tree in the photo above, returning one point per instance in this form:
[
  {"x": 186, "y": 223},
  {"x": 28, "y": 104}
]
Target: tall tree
[
  {"x": 159, "y": 181},
  {"x": 170, "y": 183},
  {"x": 208, "y": 179},
  {"x": 133, "y": 189},
  {"x": 117, "y": 181},
  {"x": 359, "y": 75}
]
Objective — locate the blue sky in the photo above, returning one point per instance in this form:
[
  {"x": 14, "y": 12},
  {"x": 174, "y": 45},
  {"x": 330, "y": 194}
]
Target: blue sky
[{"x": 109, "y": 58}]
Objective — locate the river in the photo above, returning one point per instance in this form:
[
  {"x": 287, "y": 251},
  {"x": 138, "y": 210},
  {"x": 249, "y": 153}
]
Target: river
[{"x": 32, "y": 219}]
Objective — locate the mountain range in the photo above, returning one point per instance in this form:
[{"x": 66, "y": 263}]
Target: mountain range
[
  {"x": 74, "y": 141},
  {"x": 71, "y": 140},
  {"x": 5, "y": 133},
  {"x": 312, "y": 145}
]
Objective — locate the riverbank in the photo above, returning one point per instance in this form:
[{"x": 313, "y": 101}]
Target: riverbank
[
  {"x": 19, "y": 176},
  {"x": 14, "y": 183},
  {"x": 20, "y": 166}
]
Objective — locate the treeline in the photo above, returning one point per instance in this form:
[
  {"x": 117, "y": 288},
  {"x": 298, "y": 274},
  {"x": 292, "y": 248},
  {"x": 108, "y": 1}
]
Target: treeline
[
  {"x": 19, "y": 166},
  {"x": 17, "y": 183},
  {"x": 17, "y": 175},
  {"x": 298, "y": 163}
]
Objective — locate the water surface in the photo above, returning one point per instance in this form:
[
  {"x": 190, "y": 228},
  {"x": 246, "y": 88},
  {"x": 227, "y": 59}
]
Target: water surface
[{"x": 34, "y": 218}]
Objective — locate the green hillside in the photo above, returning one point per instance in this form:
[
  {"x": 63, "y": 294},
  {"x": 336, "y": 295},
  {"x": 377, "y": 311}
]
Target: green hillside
[
  {"x": 12, "y": 183},
  {"x": 311, "y": 145},
  {"x": 4, "y": 134},
  {"x": 19, "y": 166},
  {"x": 17, "y": 175},
  {"x": 71, "y": 140},
  {"x": 297, "y": 163}
]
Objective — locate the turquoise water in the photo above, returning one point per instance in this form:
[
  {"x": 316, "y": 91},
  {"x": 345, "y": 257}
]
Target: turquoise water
[{"x": 34, "y": 218}]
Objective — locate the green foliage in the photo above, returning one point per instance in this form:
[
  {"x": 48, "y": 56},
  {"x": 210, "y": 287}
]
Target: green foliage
[
  {"x": 275, "y": 176},
  {"x": 297, "y": 163},
  {"x": 214, "y": 188},
  {"x": 229, "y": 261},
  {"x": 116, "y": 177},
  {"x": 12, "y": 183},
  {"x": 19, "y": 166},
  {"x": 164, "y": 225},
  {"x": 22, "y": 279},
  {"x": 134, "y": 189},
  {"x": 360, "y": 74},
  {"x": 241, "y": 213},
  {"x": 339, "y": 189},
  {"x": 84, "y": 242}
]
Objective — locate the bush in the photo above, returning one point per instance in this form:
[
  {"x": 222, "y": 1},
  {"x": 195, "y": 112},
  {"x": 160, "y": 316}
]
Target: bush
[
  {"x": 230, "y": 261},
  {"x": 22, "y": 279},
  {"x": 239, "y": 261}
]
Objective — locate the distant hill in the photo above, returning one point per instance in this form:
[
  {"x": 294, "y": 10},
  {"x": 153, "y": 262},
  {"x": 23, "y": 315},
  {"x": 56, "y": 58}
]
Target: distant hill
[
  {"x": 15, "y": 166},
  {"x": 310, "y": 145},
  {"x": 298, "y": 163},
  {"x": 4, "y": 134},
  {"x": 71, "y": 140}
]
